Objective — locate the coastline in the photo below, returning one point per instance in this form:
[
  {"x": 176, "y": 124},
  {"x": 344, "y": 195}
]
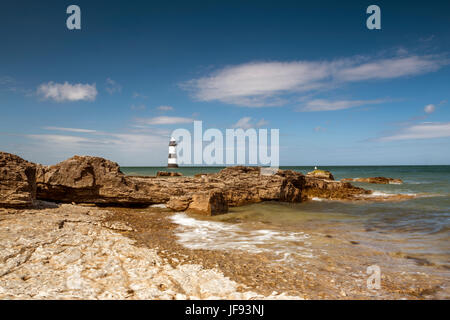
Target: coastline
[
  {"x": 77, "y": 252},
  {"x": 339, "y": 273},
  {"x": 177, "y": 237}
]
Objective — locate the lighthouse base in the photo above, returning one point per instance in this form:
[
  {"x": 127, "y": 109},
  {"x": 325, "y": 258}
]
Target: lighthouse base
[{"x": 172, "y": 165}]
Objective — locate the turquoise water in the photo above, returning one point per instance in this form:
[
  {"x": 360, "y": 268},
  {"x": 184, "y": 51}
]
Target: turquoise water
[{"x": 418, "y": 227}]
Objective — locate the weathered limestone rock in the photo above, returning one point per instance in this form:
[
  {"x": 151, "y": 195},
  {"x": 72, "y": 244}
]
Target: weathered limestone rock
[
  {"x": 88, "y": 180},
  {"x": 377, "y": 180},
  {"x": 93, "y": 180},
  {"x": 180, "y": 203},
  {"x": 17, "y": 181},
  {"x": 168, "y": 174},
  {"x": 208, "y": 203},
  {"x": 333, "y": 190},
  {"x": 320, "y": 174},
  {"x": 70, "y": 252},
  {"x": 99, "y": 181}
]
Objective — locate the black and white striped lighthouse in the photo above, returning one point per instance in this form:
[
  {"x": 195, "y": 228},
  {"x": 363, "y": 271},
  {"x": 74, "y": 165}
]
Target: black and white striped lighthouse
[{"x": 172, "y": 161}]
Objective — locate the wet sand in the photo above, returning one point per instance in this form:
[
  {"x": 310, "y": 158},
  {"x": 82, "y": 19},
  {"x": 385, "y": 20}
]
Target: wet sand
[{"x": 337, "y": 269}]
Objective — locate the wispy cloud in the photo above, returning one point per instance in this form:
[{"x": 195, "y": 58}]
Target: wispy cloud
[
  {"x": 62, "y": 92},
  {"x": 10, "y": 84},
  {"x": 137, "y": 95},
  {"x": 70, "y": 129},
  {"x": 247, "y": 123},
  {"x": 126, "y": 148},
  {"x": 6, "y": 80},
  {"x": 112, "y": 86},
  {"x": 390, "y": 68},
  {"x": 60, "y": 139},
  {"x": 165, "y": 108},
  {"x": 426, "y": 130},
  {"x": 257, "y": 84},
  {"x": 262, "y": 84},
  {"x": 327, "y": 105},
  {"x": 164, "y": 120}
]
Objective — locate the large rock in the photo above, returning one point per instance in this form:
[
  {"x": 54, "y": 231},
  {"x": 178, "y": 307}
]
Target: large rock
[
  {"x": 180, "y": 203},
  {"x": 320, "y": 174},
  {"x": 209, "y": 203},
  {"x": 17, "y": 181},
  {"x": 87, "y": 179},
  {"x": 333, "y": 190}
]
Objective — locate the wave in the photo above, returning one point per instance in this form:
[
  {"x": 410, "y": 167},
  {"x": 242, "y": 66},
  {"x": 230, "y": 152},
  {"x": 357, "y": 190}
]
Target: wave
[
  {"x": 159, "y": 205},
  {"x": 213, "y": 235}
]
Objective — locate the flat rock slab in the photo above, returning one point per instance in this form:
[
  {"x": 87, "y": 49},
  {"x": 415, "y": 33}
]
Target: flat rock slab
[{"x": 68, "y": 252}]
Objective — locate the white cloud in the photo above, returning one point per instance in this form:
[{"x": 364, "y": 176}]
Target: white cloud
[
  {"x": 164, "y": 120},
  {"x": 59, "y": 139},
  {"x": 389, "y": 68},
  {"x": 256, "y": 84},
  {"x": 70, "y": 129},
  {"x": 112, "y": 86},
  {"x": 429, "y": 108},
  {"x": 426, "y": 130},
  {"x": 165, "y": 108},
  {"x": 246, "y": 123},
  {"x": 148, "y": 148},
  {"x": 327, "y": 105},
  {"x": 262, "y": 84},
  {"x": 67, "y": 92}
]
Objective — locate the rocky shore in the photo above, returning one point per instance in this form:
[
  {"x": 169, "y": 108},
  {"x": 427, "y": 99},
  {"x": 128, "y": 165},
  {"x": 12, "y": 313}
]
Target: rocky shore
[
  {"x": 376, "y": 180},
  {"x": 75, "y": 230},
  {"x": 93, "y": 180},
  {"x": 73, "y": 252}
]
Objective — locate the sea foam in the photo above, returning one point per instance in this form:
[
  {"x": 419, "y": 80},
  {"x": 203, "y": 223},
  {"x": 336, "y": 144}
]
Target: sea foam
[{"x": 214, "y": 235}]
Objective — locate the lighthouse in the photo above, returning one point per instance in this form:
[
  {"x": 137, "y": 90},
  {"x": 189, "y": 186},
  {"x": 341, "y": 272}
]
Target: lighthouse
[{"x": 172, "y": 161}]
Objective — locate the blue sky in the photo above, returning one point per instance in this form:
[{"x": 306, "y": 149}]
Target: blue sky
[{"x": 339, "y": 93}]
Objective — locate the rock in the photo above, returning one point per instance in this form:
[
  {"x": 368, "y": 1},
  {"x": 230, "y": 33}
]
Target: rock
[
  {"x": 89, "y": 259},
  {"x": 320, "y": 174},
  {"x": 332, "y": 190},
  {"x": 84, "y": 179},
  {"x": 377, "y": 180},
  {"x": 179, "y": 203},
  {"x": 93, "y": 180},
  {"x": 99, "y": 181},
  {"x": 208, "y": 203},
  {"x": 168, "y": 174},
  {"x": 17, "y": 181}
]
